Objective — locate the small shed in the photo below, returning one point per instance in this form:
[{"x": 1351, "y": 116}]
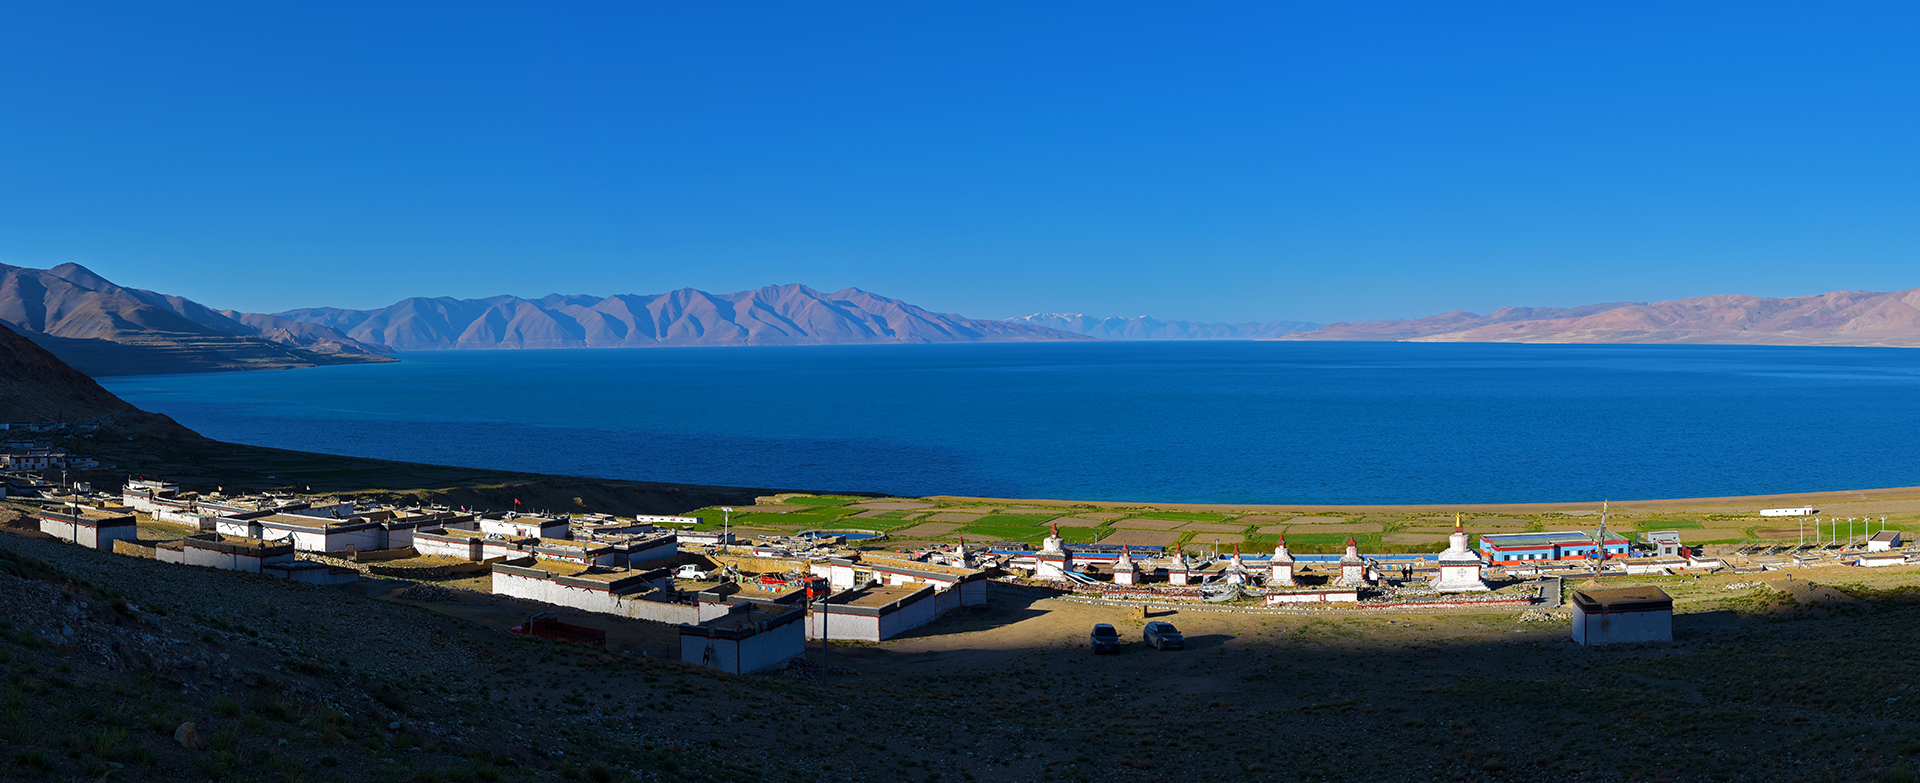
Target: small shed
[
  {"x": 1883, "y": 541},
  {"x": 1622, "y": 614}
]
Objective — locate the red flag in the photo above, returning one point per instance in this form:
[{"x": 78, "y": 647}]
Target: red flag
[{"x": 516, "y": 501}]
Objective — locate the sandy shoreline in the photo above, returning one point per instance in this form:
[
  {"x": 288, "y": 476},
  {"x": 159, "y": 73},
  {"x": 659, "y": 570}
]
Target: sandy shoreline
[{"x": 1891, "y": 500}]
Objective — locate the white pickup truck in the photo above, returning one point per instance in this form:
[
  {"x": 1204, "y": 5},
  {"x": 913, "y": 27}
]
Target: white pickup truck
[{"x": 691, "y": 571}]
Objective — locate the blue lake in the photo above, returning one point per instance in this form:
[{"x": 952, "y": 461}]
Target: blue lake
[{"x": 1240, "y": 422}]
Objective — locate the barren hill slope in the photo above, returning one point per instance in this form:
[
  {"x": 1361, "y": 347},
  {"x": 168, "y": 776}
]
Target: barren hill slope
[
  {"x": 774, "y": 315},
  {"x": 35, "y": 385},
  {"x": 106, "y": 329},
  {"x": 1859, "y": 318}
]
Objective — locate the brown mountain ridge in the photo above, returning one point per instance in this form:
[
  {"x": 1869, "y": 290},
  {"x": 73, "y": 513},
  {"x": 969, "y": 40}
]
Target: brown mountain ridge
[
  {"x": 1841, "y": 318},
  {"x": 101, "y": 328}
]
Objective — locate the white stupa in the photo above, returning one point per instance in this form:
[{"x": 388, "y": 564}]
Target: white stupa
[
  {"x": 1280, "y": 568},
  {"x": 1353, "y": 568},
  {"x": 1236, "y": 570},
  {"x": 1179, "y": 572},
  {"x": 1054, "y": 560},
  {"x": 1459, "y": 566},
  {"x": 1124, "y": 571}
]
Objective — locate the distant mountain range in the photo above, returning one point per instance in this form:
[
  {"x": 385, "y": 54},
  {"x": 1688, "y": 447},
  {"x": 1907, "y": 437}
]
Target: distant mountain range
[
  {"x": 774, "y": 315},
  {"x": 1858, "y": 318},
  {"x": 101, "y": 328},
  {"x": 1141, "y": 327},
  {"x": 105, "y": 329}
]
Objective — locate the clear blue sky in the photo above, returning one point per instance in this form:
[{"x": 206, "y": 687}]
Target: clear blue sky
[{"x": 1312, "y": 161}]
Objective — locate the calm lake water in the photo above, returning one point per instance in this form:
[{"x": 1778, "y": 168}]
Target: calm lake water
[{"x": 1176, "y": 422}]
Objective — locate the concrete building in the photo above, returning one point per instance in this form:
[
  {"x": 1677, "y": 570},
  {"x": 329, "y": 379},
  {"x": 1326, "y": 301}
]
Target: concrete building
[
  {"x": 1665, "y": 543},
  {"x": 309, "y": 533},
  {"x": 642, "y": 595},
  {"x": 747, "y": 639},
  {"x": 636, "y": 549},
  {"x": 1459, "y": 566},
  {"x": 706, "y": 538},
  {"x": 878, "y": 613},
  {"x": 1622, "y": 614},
  {"x": 451, "y": 542},
  {"x": 1528, "y": 548},
  {"x": 1280, "y": 566},
  {"x": 570, "y": 551},
  {"x": 89, "y": 527},
  {"x": 1880, "y": 559},
  {"x": 524, "y": 526},
  {"x": 860, "y": 570},
  {"x": 227, "y": 553},
  {"x": 1883, "y": 541},
  {"x": 140, "y": 495}
]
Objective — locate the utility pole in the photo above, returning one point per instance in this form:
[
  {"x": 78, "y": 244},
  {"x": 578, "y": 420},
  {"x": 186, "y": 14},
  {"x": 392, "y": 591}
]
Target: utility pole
[
  {"x": 824, "y": 614},
  {"x": 726, "y": 527}
]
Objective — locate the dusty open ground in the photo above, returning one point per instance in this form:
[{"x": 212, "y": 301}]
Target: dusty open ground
[{"x": 1805, "y": 677}]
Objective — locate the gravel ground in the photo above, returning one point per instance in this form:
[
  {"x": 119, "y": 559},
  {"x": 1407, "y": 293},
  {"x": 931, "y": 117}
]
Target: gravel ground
[{"x": 291, "y": 682}]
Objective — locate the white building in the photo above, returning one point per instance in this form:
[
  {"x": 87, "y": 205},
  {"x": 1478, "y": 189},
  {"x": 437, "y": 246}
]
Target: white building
[
  {"x": 1622, "y": 614},
  {"x": 519, "y": 526},
  {"x": 637, "y": 594},
  {"x": 748, "y": 639},
  {"x": 848, "y": 573},
  {"x": 89, "y": 527},
  {"x": 877, "y": 613},
  {"x": 227, "y": 553},
  {"x": 1883, "y": 541},
  {"x": 309, "y": 533}
]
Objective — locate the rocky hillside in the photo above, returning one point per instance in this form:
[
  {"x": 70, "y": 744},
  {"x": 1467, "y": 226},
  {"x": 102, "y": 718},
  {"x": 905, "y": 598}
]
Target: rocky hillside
[
  {"x": 36, "y": 385},
  {"x": 106, "y": 329},
  {"x": 775, "y": 315},
  {"x": 1862, "y": 318},
  {"x": 1142, "y": 327}
]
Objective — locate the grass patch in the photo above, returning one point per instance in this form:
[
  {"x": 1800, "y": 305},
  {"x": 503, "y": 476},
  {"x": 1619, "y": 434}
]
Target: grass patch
[
  {"x": 1028, "y": 533},
  {"x": 1667, "y": 524}
]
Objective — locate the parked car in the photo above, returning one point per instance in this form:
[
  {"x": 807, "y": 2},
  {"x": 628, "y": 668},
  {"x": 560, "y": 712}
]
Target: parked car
[
  {"x": 1163, "y": 636},
  {"x": 690, "y": 571},
  {"x": 1104, "y": 639}
]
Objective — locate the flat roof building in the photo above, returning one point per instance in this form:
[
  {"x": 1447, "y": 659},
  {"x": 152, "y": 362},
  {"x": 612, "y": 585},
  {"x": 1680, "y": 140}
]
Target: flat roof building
[
  {"x": 1519, "y": 548},
  {"x": 749, "y": 638},
  {"x": 89, "y": 527},
  {"x": 1622, "y": 614}
]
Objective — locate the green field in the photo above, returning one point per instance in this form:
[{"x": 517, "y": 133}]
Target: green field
[{"x": 1030, "y": 533}]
